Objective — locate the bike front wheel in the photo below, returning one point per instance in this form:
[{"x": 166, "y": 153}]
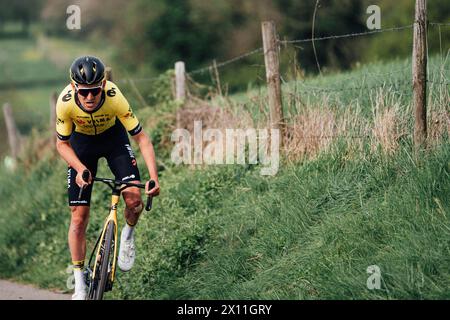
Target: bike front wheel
[{"x": 104, "y": 266}]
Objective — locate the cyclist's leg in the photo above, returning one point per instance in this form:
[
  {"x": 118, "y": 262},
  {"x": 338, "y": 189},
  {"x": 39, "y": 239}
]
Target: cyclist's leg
[
  {"x": 79, "y": 212},
  {"x": 124, "y": 167},
  {"x": 134, "y": 205},
  {"x": 123, "y": 164},
  {"x": 77, "y": 230},
  {"x": 85, "y": 148}
]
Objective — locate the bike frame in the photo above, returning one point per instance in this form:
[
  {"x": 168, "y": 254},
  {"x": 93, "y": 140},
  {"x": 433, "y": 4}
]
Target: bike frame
[{"x": 117, "y": 188}]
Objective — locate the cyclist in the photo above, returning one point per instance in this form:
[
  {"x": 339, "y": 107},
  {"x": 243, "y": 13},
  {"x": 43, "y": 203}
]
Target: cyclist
[{"x": 93, "y": 118}]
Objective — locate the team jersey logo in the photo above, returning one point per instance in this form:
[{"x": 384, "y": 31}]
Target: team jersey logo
[
  {"x": 129, "y": 114},
  {"x": 67, "y": 96},
  {"x": 111, "y": 92}
]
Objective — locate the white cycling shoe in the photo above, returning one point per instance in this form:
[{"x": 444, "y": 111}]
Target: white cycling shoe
[
  {"x": 127, "y": 253},
  {"x": 80, "y": 292},
  {"x": 79, "y": 295}
]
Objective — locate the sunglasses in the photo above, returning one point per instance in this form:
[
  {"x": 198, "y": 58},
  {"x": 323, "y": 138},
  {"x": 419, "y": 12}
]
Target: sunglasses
[{"x": 85, "y": 91}]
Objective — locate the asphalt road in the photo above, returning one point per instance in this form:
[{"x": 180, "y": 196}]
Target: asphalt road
[{"x": 14, "y": 291}]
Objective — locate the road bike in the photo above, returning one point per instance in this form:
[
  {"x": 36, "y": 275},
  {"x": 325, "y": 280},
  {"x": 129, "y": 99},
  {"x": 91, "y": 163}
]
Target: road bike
[{"x": 101, "y": 269}]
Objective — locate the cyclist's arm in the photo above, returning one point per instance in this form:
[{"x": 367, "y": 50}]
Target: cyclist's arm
[
  {"x": 64, "y": 127},
  {"x": 148, "y": 153},
  {"x": 66, "y": 151},
  {"x": 134, "y": 128},
  {"x": 68, "y": 154}
]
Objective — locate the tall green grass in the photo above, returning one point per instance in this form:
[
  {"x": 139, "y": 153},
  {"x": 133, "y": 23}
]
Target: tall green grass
[
  {"x": 228, "y": 233},
  {"x": 311, "y": 232}
]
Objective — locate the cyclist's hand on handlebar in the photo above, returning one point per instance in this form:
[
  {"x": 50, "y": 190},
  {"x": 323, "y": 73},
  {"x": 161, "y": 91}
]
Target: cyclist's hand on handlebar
[
  {"x": 154, "y": 191},
  {"x": 151, "y": 190},
  {"x": 83, "y": 178}
]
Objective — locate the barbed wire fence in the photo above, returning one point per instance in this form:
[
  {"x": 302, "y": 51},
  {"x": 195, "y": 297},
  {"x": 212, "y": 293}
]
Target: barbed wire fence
[
  {"x": 260, "y": 51},
  {"x": 398, "y": 81},
  {"x": 377, "y": 80},
  {"x": 284, "y": 42}
]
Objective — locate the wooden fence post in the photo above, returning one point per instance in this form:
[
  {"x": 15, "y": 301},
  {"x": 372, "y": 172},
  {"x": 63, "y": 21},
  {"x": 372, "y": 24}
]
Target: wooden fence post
[
  {"x": 13, "y": 134},
  {"x": 272, "y": 63},
  {"x": 217, "y": 78},
  {"x": 180, "y": 81},
  {"x": 180, "y": 87},
  {"x": 108, "y": 74},
  {"x": 419, "y": 69}
]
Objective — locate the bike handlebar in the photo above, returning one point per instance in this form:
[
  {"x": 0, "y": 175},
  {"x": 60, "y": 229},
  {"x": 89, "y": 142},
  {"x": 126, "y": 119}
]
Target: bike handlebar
[{"x": 114, "y": 184}]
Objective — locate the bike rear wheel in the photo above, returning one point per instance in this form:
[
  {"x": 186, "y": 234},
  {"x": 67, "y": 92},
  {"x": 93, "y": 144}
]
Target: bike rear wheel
[{"x": 102, "y": 277}]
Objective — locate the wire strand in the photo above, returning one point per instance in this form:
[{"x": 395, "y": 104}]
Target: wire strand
[
  {"x": 227, "y": 62},
  {"x": 382, "y": 85},
  {"x": 348, "y": 35},
  {"x": 439, "y": 24}
]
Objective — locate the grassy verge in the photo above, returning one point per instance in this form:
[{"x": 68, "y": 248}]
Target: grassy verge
[
  {"x": 228, "y": 233},
  {"x": 309, "y": 233}
]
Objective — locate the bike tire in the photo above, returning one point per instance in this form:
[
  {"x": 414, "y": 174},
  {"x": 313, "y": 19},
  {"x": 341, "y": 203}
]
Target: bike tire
[{"x": 109, "y": 235}]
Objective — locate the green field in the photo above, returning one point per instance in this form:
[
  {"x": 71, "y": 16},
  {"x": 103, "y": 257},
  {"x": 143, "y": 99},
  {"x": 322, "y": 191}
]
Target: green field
[{"x": 309, "y": 232}]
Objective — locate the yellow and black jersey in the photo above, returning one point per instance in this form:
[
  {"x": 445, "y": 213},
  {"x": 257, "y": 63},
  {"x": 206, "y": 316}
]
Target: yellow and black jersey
[{"x": 71, "y": 116}]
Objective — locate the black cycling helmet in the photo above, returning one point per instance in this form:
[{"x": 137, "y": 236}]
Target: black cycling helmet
[{"x": 87, "y": 70}]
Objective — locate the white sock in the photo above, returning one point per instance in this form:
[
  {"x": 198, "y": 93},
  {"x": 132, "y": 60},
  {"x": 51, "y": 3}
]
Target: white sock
[
  {"x": 127, "y": 232},
  {"x": 80, "y": 284}
]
